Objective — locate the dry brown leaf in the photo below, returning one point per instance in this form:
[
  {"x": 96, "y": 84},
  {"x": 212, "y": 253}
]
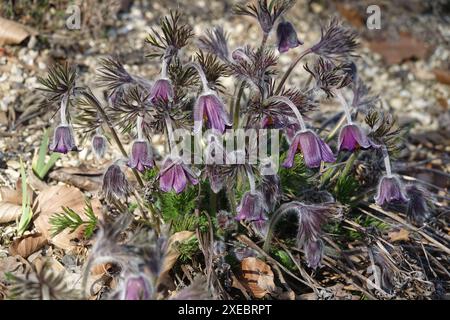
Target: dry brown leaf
[
  {"x": 83, "y": 177},
  {"x": 9, "y": 212},
  {"x": 172, "y": 253},
  {"x": 406, "y": 47},
  {"x": 442, "y": 76},
  {"x": 399, "y": 235},
  {"x": 27, "y": 245},
  {"x": 12, "y": 32},
  {"x": 257, "y": 277},
  {"x": 50, "y": 202},
  {"x": 11, "y": 202}
]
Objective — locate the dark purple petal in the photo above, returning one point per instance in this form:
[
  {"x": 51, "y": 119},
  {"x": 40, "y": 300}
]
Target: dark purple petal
[
  {"x": 390, "y": 189},
  {"x": 252, "y": 207},
  {"x": 310, "y": 147},
  {"x": 99, "y": 144},
  {"x": 162, "y": 90},
  {"x": 327, "y": 154},
  {"x": 293, "y": 149},
  {"x": 352, "y": 137},
  {"x": 418, "y": 209},
  {"x": 174, "y": 175},
  {"x": 287, "y": 37},
  {"x": 115, "y": 183},
  {"x": 313, "y": 253},
  {"x": 141, "y": 156},
  {"x": 209, "y": 106},
  {"x": 166, "y": 176},
  {"x": 63, "y": 140},
  {"x": 179, "y": 180},
  {"x": 137, "y": 288}
]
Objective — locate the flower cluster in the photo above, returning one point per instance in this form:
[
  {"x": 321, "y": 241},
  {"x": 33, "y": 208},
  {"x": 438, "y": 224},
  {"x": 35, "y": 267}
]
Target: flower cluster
[{"x": 187, "y": 93}]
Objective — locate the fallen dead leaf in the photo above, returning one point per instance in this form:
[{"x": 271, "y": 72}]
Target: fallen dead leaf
[
  {"x": 257, "y": 277},
  {"x": 27, "y": 245},
  {"x": 12, "y": 32},
  {"x": 406, "y": 47},
  {"x": 51, "y": 201},
  {"x": 352, "y": 15},
  {"x": 172, "y": 253},
  {"x": 399, "y": 235},
  {"x": 83, "y": 177},
  {"x": 11, "y": 202},
  {"x": 442, "y": 76}
]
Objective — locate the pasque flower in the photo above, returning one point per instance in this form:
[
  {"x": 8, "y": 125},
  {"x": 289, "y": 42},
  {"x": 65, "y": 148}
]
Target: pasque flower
[
  {"x": 287, "y": 37},
  {"x": 352, "y": 137},
  {"x": 252, "y": 207},
  {"x": 313, "y": 148},
  {"x": 162, "y": 90},
  {"x": 115, "y": 184},
  {"x": 63, "y": 139},
  {"x": 417, "y": 209},
  {"x": 137, "y": 288},
  {"x": 310, "y": 221},
  {"x": 390, "y": 189},
  {"x": 141, "y": 156},
  {"x": 99, "y": 144},
  {"x": 175, "y": 175},
  {"x": 210, "y": 107}
]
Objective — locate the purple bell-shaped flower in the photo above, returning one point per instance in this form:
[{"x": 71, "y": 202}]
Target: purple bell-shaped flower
[
  {"x": 287, "y": 37},
  {"x": 63, "y": 139},
  {"x": 313, "y": 148},
  {"x": 141, "y": 156},
  {"x": 390, "y": 189},
  {"x": 175, "y": 175}
]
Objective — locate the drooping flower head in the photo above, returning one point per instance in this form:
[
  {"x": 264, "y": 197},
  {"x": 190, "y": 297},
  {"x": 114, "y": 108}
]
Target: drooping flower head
[
  {"x": 175, "y": 175},
  {"x": 417, "y": 209},
  {"x": 252, "y": 207},
  {"x": 310, "y": 221},
  {"x": 352, "y": 137},
  {"x": 209, "y": 107},
  {"x": 390, "y": 189},
  {"x": 115, "y": 183},
  {"x": 313, "y": 148},
  {"x": 137, "y": 288},
  {"x": 141, "y": 156},
  {"x": 314, "y": 253},
  {"x": 162, "y": 90},
  {"x": 99, "y": 145},
  {"x": 63, "y": 139},
  {"x": 287, "y": 37}
]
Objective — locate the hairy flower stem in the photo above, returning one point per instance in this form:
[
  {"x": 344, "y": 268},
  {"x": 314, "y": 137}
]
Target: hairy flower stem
[
  {"x": 201, "y": 74},
  {"x": 264, "y": 40},
  {"x": 289, "y": 70},
  {"x": 251, "y": 181},
  {"x": 170, "y": 132},
  {"x": 164, "y": 69},
  {"x": 237, "y": 105},
  {"x": 63, "y": 110},
  {"x": 272, "y": 222},
  {"x": 336, "y": 128},
  {"x": 293, "y": 107},
  {"x": 106, "y": 119},
  {"x": 231, "y": 199},
  {"x": 387, "y": 161},
  {"x": 139, "y": 127},
  {"x": 345, "y": 106},
  {"x": 349, "y": 165}
]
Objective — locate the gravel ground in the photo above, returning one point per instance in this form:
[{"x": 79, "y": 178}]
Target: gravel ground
[{"x": 409, "y": 90}]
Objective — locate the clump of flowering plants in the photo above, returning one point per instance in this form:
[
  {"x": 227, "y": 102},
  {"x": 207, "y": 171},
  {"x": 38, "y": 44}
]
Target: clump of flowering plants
[{"x": 219, "y": 174}]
